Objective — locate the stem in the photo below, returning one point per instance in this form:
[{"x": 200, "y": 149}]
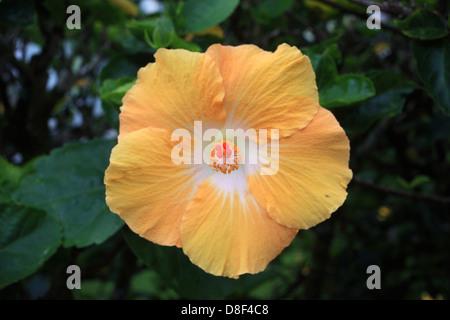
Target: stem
[
  {"x": 401, "y": 193},
  {"x": 395, "y": 8}
]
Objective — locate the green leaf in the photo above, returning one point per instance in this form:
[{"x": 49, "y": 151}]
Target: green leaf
[
  {"x": 112, "y": 91},
  {"x": 178, "y": 43},
  {"x": 385, "y": 81},
  {"x": 416, "y": 182},
  {"x": 324, "y": 67},
  {"x": 10, "y": 177},
  {"x": 175, "y": 268},
  {"x": 358, "y": 118},
  {"x": 423, "y": 24},
  {"x": 270, "y": 9},
  {"x": 323, "y": 59},
  {"x": 139, "y": 27},
  {"x": 57, "y": 10},
  {"x": 433, "y": 68},
  {"x": 162, "y": 34},
  {"x": 204, "y": 14},
  {"x": 68, "y": 184},
  {"x": 346, "y": 90},
  {"x": 28, "y": 238},
  {"x": 105, "y": 12},
  {"x": 119, "y": 66},
  {"x": 391, "y": 91}
]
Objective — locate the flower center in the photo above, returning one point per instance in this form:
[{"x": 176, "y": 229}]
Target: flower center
[{"x": 225, "y": 157}]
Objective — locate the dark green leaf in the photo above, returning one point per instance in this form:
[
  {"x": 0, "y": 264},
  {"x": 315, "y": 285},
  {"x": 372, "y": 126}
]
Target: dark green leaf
[
  {"x": 358, "y": 118},
  {"x": 323, "y": 57},
  {"x": 423, "y": 24},
  {"x": 204, "y": 14},
  {"x": 178, "y": 43},
  {"x": 111, "y": 94},
  {"x": 10, "y": 177},
  {"x": 162, "y": 34},
  {"x": 433, "y": 68},
  {"x": 139, "y": 27},
  {"x": 57, "y": 10},
  {"x": 102, "y": 11},
  {"x": 175, "y": 268},
  {"x": 68, "y": 184},
  {"x": 324, "y": 67},
  {"x": 346, "y": 90},
  {"x": 120, "y": 66},
  {"x": 112, "y": 91},
  {"x": 386, "y": 81},
  {"x": 416, "y": 182},
  {"x": 391, "y": 91},
  {"x": 28, "y": 238},
  {"x": 270, "y": 9}
]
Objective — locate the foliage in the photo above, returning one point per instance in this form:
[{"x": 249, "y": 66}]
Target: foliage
[{"x": 60, "y": 94}]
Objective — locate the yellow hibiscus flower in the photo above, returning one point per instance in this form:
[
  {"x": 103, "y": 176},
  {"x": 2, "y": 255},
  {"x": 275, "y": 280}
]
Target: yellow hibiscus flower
[{"x": 229, "y": 216}]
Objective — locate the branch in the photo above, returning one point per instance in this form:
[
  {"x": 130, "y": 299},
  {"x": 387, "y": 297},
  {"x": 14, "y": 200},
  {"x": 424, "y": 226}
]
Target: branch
[
  {"x": 356, "y": 13},
  {"x": 401, "y": 193},
  {"x": 395, "y": 8}
]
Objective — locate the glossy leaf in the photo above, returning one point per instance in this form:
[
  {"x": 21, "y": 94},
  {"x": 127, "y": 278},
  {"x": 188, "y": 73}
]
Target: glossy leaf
[
  {"x": 29, "y": 237},
  {"x": 69, "y": 185},
  {"x": 391, "y": 91},
  {"x": 270, "y": 9},
  {"x": 433, "y": 68},
  {"x": 346, "y": 90},
  {"x": 112, "y": 91},
  {"x": 324, "y": 67},
  {"x": 203, "y": 14},
  {"x": 423, "y": 24},
  {"x": 111, "y": 94},
  {"x": 178, "y": 43}
]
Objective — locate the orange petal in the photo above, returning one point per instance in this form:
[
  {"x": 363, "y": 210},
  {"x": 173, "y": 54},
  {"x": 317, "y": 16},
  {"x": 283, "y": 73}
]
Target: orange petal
[
  {"x": 266, "y": 90},
  {"x": 144, "y": 187},
  {"x": 312, "y": 177},
  {"x": 226, "y": 233},
  {"x": 179, "y": 88}
]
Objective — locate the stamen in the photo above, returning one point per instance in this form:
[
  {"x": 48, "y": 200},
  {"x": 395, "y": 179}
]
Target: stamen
[{"x": 225, "y": 157}]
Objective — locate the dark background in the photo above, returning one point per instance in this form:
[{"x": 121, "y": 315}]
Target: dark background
[{"x": 60, "y": 91}]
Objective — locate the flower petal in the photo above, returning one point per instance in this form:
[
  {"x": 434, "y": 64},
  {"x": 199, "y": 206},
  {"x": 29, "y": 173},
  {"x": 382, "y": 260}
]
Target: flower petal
[
  {"x": 312, "y": 177},
  {"x": 179, "y": 88},
  {"x": 146, "y": 188},
  {"x": 266, "y": 90},
  {"x": 226, "y": 233}
]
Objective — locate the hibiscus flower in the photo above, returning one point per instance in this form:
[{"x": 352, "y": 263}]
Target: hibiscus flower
[{"x": 230, "y": 216}]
